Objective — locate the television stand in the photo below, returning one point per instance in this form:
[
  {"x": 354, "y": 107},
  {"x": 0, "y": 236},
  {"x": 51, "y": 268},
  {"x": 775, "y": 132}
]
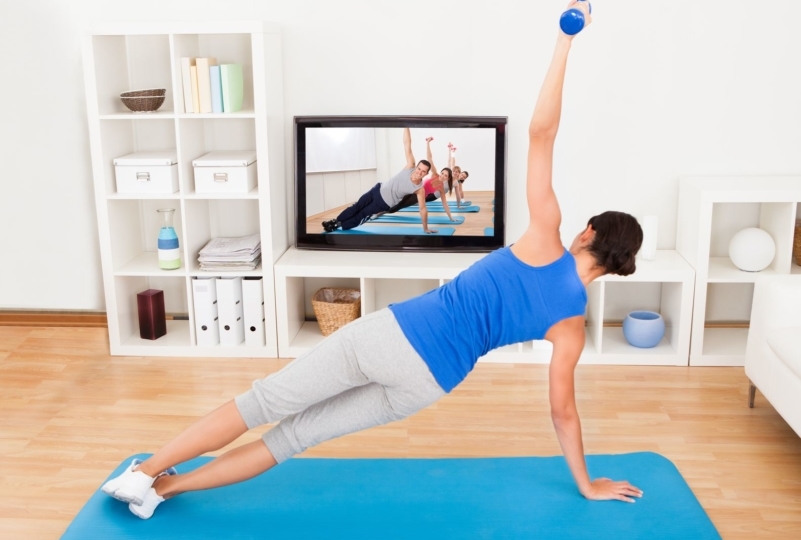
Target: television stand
[{"x": 664, "y": 285}]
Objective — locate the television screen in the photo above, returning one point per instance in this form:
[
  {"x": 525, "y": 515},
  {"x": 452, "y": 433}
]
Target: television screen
[{"x": 400, "y": 183}]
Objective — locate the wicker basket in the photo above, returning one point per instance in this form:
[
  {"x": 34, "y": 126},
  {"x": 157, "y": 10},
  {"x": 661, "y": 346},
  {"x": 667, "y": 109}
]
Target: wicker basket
[
  {"x": 797, "y": 243},
  {"x": 143, "y": 93},
  {"x": 144, "y": 100},
  {"x": 335, "y": 308},
  {"x": 144, "y": 103}
]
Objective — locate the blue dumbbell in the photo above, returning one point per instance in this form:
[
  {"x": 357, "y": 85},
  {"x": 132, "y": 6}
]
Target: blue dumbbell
[{"x": 572, "y": 20}]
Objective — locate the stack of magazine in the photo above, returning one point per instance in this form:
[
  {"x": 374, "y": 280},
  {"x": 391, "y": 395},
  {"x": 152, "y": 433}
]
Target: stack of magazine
[{"x": 231, "y": 254}]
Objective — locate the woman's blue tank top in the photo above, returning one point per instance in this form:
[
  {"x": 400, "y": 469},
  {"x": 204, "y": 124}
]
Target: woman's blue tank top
[{"x": 498, "y": 301}]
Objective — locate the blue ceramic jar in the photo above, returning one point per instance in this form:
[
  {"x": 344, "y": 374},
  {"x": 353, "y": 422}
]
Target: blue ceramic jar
[{"x": 644, "y": 329}]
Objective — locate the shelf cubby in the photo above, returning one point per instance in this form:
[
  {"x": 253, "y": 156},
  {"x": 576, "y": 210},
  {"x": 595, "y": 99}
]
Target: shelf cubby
[
  {"x": 130, "y": 62},
  {"x": 227, "y": 48},
  {"x": 724, "y": 345},
  {"x": 175, "y": 305},
  {"x": 123, "y": 137},
  {"x": 728, "y": 219},
  {"x": 380, "y": 293},
  {"x": 728, "y": 303},
  {"x": 622, "y": 298},
  {"x": 134, "y": 226},
  {"x": 218, "y": 218},
  {"x": 199, "y": 136},
  {"x": 725, "y": 330},
  {"x": 301, "y": 327}
]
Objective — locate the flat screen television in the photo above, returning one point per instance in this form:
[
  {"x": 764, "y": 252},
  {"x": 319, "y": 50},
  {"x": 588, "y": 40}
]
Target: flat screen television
[{"x": 340, "y": 160}]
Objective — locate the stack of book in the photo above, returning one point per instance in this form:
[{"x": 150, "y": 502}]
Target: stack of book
[
  {"x": 231, "y": 254},
  {"x": 211, "y": 88}
]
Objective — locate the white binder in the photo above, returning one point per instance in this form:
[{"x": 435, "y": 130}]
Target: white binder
[
  {"x": 204, "y": 292},
  {"x": 253, "y": 302},
  {"x": 229, "y": 308}
]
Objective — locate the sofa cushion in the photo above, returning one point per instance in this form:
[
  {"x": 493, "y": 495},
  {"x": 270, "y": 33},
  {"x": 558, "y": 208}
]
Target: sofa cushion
[{"x": 786, "y": 343}]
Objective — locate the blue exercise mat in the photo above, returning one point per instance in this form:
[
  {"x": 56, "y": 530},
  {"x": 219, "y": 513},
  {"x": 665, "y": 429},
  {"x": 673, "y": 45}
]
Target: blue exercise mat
[
  {"x": 437, "y": 499},
  {"x": 454, "y": 209},
  {"x": 432, "y": 220},
  {"x": 450, "y": 203},
  {"x": 489, "y": 231},
  {"x": 389, "y": 229}
]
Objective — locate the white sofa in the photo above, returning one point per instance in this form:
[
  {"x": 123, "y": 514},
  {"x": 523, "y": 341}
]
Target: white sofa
[{"x": 773, "y": 352}]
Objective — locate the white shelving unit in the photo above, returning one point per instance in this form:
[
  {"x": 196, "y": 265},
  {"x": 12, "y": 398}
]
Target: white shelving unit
[
  {"x": 664, "y": 285},
  {"x": 129, "y": 56},
  {"x": 711, "y": 211}
]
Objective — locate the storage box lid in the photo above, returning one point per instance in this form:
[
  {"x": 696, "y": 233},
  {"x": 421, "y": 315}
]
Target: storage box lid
[
  {"x": 148, "y": 157},
  {"x": 226, "y": 158}
]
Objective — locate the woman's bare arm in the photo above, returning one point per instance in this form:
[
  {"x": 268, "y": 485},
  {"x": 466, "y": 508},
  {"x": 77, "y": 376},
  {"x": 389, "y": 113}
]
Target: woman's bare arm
[
  {"x": 429, "y": 157},
  {"x": 541, "y": 243},
  {"x": 568, "y": 343}
]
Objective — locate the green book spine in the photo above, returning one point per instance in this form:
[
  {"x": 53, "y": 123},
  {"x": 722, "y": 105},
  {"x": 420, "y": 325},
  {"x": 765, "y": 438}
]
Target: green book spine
[{"x": 232, "y": 87}]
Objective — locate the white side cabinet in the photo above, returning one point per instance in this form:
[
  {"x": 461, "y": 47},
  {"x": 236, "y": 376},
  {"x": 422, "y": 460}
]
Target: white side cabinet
[
  {"x": 130, "y": 56},
  {"x": 664, "y": 285},
  {"x": 711, "y": 211}
]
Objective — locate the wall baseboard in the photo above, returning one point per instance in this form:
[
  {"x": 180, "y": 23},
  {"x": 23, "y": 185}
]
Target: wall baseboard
[
  {"x": 97, "y": 319},
  {"x": 63, "y": 319}
]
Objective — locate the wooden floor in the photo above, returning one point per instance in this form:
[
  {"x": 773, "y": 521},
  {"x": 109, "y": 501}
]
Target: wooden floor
[
  {"x": 474, "y": 222},
  {"x": 71, "y": 413}
]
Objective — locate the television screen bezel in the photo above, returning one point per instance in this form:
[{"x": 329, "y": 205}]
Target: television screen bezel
[{"x": 364, "y": 242}]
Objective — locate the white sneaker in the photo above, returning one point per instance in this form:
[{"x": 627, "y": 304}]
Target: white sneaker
[
  {"x": 130, "y": 486},
  {"x": 148, "y": 506},
  {"x": 151, "y": 500}
]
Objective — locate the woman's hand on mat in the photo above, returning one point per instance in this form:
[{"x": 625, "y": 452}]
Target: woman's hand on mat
[
  {"x": 604, "y": 489},
  {"x": 431, "y": 231}
]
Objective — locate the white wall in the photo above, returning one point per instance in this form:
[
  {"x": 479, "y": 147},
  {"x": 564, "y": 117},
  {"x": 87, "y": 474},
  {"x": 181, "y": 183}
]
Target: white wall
[{"x": 654, "y": 91}]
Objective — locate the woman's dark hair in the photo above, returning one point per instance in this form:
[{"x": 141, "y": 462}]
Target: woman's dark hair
[
  {"x": 618, "y": 238},
  {"x": 466, "y": 174},
  {"x": 450, "y": 178}
]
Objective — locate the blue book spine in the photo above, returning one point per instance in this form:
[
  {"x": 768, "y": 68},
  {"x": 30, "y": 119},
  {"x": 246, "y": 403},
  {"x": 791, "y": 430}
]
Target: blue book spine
[{"x": 216, "y": 89}]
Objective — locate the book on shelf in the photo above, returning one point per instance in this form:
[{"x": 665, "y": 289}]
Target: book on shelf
[
  {"x": 186, "y": 81},
  {"x": 195, "y": 99},
  {"x": 216, "y": 89},
  {"x": 232, "y": 87},
  {"x": 204, "y": 82}
]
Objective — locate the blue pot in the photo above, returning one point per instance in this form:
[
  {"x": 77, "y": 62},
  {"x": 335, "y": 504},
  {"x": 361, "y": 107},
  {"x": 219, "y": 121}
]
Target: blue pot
[{"x": 644, "y": 329}]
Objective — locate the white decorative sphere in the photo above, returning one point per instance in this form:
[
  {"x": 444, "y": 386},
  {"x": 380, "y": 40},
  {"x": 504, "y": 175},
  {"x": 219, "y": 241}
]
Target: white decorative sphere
[{"x": 752, "y": 249}]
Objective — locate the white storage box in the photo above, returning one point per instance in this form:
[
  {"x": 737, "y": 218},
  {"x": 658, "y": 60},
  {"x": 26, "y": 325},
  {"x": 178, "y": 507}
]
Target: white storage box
[
  {"x": 154, "y": 171},
  {"x": 225, "y": 172}
]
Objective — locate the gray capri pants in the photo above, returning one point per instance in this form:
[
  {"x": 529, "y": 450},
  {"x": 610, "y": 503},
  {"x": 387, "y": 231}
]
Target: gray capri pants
[{"x": 363, "y": 375}]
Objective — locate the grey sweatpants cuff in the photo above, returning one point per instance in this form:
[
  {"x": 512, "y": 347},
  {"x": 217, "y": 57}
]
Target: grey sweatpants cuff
[
  {"x": 277, "y": 442},
  {"x": 250, "y": 409}
]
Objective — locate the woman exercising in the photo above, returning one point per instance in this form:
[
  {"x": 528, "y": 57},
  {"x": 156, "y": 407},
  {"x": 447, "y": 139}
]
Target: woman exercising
[
  {"x": 458, "y": 174},
  {"x": 431, "y": 186},
  {"x": 390, "y": 364}
]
